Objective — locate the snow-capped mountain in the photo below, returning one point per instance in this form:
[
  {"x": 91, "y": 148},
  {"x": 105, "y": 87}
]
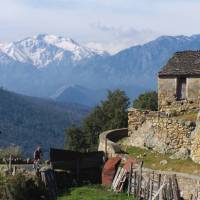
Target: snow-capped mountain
[
  {"x": 63, "y": 62},
  {"x": 43, "y": 50}
]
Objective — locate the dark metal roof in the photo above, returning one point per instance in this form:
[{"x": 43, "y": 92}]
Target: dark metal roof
[{"x": 185, "y": 63}]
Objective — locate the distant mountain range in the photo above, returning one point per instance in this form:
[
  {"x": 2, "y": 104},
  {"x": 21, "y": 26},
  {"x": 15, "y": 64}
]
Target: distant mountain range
[
  {"x": 80, "y": 95},
  {"x": 29, "y": 121},
  {"x": 48, "y": 65}
]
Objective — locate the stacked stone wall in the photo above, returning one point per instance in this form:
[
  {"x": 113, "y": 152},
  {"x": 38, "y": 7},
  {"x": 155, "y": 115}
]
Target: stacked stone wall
[
  {"x": 172, "y": 106},
  {"x": 195, "y": 144},
  {"x": 158, "y": 131},
  {"x": 167, "y": 101}
]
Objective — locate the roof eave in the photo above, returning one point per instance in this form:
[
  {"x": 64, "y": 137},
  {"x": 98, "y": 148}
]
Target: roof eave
[{"x": 178, "y": 75}]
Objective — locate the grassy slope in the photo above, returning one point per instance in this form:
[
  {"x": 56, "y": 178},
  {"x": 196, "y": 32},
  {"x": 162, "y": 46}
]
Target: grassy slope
[
  {"x": 29, "y": 121},
  {"x": 152, "y": 160},
  {"x": 192, "y": 116},
  {"x": 94, "y": 193}
]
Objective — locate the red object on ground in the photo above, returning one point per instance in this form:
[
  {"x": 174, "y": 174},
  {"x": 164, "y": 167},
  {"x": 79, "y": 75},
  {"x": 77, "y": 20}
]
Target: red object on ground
[
  {"x": 129, "y": 162},
  {"x": 109, "y": 170}
]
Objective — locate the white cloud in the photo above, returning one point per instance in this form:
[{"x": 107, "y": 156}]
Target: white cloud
[
  {"x": 115, "y": 23},
  {"x": 118, "y": 38}
]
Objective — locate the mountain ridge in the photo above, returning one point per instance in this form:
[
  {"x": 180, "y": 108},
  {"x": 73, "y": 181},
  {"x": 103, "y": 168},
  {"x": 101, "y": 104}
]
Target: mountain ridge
[
  {"x": 134, "y": 69},
  {"x": 45, "y": 49},
  {"x": 29, "y": 121}
]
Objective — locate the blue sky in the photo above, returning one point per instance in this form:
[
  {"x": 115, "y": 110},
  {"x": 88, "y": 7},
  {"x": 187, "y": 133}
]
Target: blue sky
[{"x": 107, "y": 24}]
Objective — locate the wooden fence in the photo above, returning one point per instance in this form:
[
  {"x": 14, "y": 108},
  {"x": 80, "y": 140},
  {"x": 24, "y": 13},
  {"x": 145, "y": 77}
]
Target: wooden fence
[
  {"x": 82, "y": 166},
  {"x": 148, "y": 185},
  {"x": 48, "y": 178}
]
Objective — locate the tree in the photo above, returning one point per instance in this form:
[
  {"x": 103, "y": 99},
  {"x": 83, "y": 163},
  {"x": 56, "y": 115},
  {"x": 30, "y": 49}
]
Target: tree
[
  {"x": 75, "y": 139},
  {"x": 147, "y": 101},
  {"x": 110, "y": 114}
]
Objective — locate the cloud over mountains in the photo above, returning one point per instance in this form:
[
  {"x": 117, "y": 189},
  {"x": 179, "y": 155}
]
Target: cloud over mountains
[{"x": 115, "y": 24}]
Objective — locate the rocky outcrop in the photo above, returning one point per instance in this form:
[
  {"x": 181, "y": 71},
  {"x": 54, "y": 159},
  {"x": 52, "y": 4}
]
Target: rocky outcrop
[
  {"x": 182, "y": 154},
  {"x": 195, "y": 148}
]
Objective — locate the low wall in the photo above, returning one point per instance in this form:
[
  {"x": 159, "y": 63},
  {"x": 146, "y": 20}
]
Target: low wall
[
  {"x": 108, "y": 139},
  {"x": 188, "y": 184}
]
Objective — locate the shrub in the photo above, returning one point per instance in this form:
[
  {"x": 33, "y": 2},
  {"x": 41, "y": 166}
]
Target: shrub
[
  {"x": 14, "y": 151},
  {"x": 147, "y": 101},
  {"x": 21, "y": 187}
]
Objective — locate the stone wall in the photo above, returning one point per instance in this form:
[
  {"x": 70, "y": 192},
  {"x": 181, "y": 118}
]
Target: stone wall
[
  {"x": 188, "y": 184},
  {"x": 195, "y": 144},
  {"x": 193, "y": 89},
  {"x": 108, "y": 139},
  {"x": 159, "y": 132},
  {"x": 167, "y": 95},
  {"x": 166, "y": 91}
]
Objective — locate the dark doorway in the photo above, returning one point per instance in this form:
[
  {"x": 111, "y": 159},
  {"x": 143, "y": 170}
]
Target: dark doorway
[{"x": 181, "y": 88}]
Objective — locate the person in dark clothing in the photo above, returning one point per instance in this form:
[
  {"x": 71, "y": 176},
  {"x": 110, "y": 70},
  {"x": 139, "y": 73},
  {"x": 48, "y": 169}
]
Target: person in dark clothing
[
  {"x": 37, "y": 153},
  {"x": 37, "y": 158}
]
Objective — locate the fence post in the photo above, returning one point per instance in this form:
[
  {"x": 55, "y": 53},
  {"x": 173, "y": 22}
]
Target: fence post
[
  {"x": 175, "y": 188},
  {"x": 130, "y": 180},
  {"x": 159, "y": 180},
  {"x": 48, "y": 178}
]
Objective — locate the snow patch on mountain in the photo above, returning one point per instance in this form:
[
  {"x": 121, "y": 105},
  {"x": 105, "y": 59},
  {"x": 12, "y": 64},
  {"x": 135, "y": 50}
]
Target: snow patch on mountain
[
  {"x": 43, "y": 50},
  {"x": 59, "y": 92}
]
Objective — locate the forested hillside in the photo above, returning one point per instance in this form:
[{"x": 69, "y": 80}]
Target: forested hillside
[{"x": 28, "y": 121}]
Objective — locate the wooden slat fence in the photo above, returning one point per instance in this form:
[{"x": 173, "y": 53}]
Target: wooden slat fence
[
  {"x": 148, "y": 185},
  {"x": 82, "y": 166}
]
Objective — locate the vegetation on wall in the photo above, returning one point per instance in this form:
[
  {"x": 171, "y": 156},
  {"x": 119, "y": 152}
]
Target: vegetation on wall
[
  {"x": 147, "y": 101},
  {"x": 109, "y": 114}
]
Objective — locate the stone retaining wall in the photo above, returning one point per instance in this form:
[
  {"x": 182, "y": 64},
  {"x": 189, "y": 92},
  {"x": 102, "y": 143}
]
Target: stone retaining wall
[
  {"x": 159, "y": 132},
  {"x": 188, "y": 184},
  {"x": 108, "y": 139}
]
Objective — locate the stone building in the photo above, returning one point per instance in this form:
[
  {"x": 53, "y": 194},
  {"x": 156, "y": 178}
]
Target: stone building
[
  {"x": 178, "y": 92},
  {"x": 179, "y": 83}
]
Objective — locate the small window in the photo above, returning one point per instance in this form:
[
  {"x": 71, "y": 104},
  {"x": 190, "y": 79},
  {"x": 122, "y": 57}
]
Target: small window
[{"x": 181, "y": 89}]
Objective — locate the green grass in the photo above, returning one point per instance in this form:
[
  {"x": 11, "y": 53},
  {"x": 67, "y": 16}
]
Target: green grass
[
  {"x": 191, "y": 116},
  {"x": 152, "y": 160},
  {"x": 96, "y": 192}
]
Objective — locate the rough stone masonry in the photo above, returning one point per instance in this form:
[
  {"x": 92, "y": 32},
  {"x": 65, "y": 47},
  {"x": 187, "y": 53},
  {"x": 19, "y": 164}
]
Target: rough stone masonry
[
  {"x": 179, "y": 83},
  {"x": 158, "y": 131},
  {"x": 178, "y": 93}
]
